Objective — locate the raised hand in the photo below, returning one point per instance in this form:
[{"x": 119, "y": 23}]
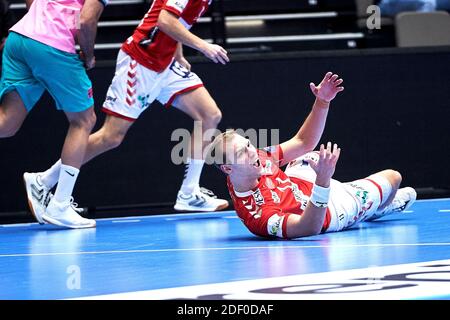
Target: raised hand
[
  {"x": 326, "y": 164},
  {"x": 328, "y": 88}
]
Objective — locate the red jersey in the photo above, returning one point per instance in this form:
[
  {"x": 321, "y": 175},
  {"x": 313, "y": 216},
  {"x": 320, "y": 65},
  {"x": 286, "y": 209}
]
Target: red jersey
[
  {"x": 265, "y": 209},
  {"x": 151, "y": 47}
]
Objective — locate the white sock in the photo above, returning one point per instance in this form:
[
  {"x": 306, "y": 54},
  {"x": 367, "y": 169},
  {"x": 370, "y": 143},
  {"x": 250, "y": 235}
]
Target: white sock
[
  {"x": 50, "y": 177},
  {"x": 66, "y": 182},
  {"x": 192, "y": 175}
]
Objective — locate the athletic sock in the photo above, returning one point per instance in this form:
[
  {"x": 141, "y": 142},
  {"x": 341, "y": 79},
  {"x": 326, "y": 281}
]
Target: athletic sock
[
  {"x": 50, "y": 177},
  {"x": 192, "y": 175},
  {"x": 66, "y": 182}
]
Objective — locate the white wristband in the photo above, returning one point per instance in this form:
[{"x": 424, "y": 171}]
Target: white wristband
[{"x": 319, "y": 196}]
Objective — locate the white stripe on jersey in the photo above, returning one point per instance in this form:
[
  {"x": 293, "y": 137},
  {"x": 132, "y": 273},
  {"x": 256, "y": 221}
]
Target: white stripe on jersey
[
  {"x": 180, "y": 5},
  {"x": 184, "y": 23}
]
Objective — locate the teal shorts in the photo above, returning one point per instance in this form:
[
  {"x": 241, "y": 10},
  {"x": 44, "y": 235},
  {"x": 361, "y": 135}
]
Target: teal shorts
[{"x": 30, "y": 67}]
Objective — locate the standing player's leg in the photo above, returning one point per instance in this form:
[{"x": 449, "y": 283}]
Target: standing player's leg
[
  {"x": 12, "y": 114},
  {"x": 19, "y": 90},
  {"x": 200, "y": 106},
  {"x": 64, "y": 76},
  {"x": 59, "y": 210},
  {"x": 108, "y": 137}
]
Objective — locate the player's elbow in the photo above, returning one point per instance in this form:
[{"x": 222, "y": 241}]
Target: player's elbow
[
  {"x": 87, "y": 22},
  {"x": 89, "y": 18},
  {"x": 165, "y": 20},
  {"x": 298, "y": 228}
]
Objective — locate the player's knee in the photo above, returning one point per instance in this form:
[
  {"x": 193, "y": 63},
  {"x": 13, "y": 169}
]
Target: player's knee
[
  {"x": 395, "y": 176},
  {"x": 7, "y": 131},
  {"x": 85, "y": 120},
  {"x": 213, "y": 118}
]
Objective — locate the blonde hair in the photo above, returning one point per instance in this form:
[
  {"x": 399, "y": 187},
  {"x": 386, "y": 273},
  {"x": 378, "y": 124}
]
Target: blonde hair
[{"x": 217, "y": 149}]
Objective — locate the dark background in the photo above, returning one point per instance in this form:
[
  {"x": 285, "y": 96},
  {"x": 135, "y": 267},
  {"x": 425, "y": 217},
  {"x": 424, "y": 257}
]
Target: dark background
[{"x": 393, "y": 113}]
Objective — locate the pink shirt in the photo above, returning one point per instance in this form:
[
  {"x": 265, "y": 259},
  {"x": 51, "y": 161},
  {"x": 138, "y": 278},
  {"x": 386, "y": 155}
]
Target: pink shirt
[{"x": 52, "y": 22}]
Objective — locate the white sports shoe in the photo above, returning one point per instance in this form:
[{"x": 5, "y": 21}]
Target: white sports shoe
[
  {"x": 404, "y": 198},
  {"x": 37, "y": 194},
  {"x": 64, "y": 215},
  {"x": 200, "y": 200},
  {"x": 73, "y": 204}
]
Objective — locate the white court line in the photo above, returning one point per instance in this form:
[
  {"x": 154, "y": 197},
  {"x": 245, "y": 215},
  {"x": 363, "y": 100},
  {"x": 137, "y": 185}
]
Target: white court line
[
  {"x": 17, "y": 225},
  {"x": 222, "y": 249},
  {"x": 444, "y": 210},
  {"x": 171, "y": 215},
  {"x": 427, "y": 200}
]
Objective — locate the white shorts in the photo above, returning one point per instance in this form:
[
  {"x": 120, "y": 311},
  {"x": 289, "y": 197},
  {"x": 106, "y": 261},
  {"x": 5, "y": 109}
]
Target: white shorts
[
  {"x": 134, "y": 87},
  {"x": 350, "y": 202}
]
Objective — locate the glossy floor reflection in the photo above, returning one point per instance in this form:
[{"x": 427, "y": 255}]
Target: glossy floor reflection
[{"x": 138, "y": 254}]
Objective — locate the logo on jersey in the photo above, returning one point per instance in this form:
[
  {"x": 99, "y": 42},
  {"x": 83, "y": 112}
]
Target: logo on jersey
[
  {"x": 259, "y": 199},
  {"x": 274, "y": 225},
  {"x": 299, "y": 196},
  {"x": 110, "y": 99},
  {"x": 180, "y": 5},
  {"x": 180, "y": 70},
  {"x": 275, "y": 197},
  {"x": 144, "y": 100}
]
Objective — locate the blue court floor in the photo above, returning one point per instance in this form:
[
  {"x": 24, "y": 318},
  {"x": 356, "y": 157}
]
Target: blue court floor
[{"x": 213, "y": 256}]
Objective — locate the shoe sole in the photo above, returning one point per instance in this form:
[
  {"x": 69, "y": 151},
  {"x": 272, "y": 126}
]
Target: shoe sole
[
  {"x": 30, "y": 203},
  {"x": 57, "y": 223},
  {"x": 186, "y": 208}
]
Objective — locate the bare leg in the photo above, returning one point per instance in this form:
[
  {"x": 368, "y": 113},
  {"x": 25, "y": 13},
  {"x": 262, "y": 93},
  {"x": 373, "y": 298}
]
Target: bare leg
[
  {"x": 200, "y": 106},
  {"x": 395, "y": 179},
  {"x": 72, "y": 155},
  {"x": 75, "y": 145},
  {"x": 12, "y": 114},
  {"x": 110, "y": 136}
]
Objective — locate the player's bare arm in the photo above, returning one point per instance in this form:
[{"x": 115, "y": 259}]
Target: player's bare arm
[
  {"x": 311, "y": 131},
  {"x": 90, "y": 14},
  {"x": 169, "y": 24},
  {"x": 28, "y": 3},
  {"x": 311, "y": 221}
]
